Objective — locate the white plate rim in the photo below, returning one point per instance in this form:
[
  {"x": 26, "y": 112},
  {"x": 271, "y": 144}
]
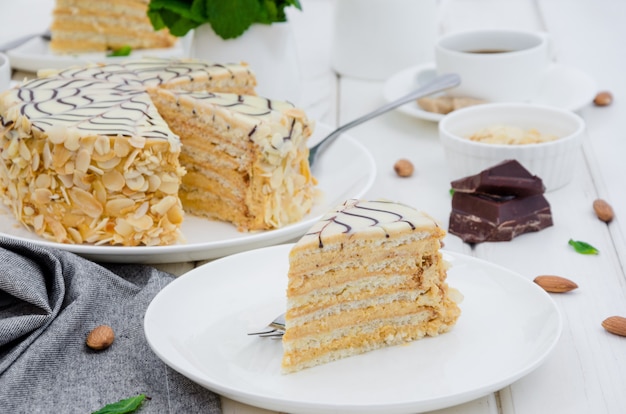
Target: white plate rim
[
  {"x": 184, "y": 252},
  {"x": 35, "y": 54},
  {"x": 166, "y": 300},
  {"x": 392, "y": 86}
]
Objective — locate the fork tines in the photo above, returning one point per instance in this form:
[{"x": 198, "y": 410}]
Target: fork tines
[{"x": 273, "y": 333}]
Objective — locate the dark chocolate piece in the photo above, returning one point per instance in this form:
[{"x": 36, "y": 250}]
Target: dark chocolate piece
[
  {"x": 507, "y": 178},
  {"x": 477, "y": 218}
]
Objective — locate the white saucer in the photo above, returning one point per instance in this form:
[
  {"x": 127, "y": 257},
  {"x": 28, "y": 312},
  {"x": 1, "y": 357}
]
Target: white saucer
[{"x": 563, "y": 87}]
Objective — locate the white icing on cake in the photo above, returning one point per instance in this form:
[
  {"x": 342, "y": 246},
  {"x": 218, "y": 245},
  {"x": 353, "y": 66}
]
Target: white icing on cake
[
  {"x": 367, "y": 217},
  {"x": 152, "y": 71},
  {"x": 88, "y": 108}
]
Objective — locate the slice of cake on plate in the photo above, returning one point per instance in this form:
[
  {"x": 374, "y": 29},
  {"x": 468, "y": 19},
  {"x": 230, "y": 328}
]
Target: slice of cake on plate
[
  {"x": 80, "y": 26},
  {"x": 369, "y": 274}
]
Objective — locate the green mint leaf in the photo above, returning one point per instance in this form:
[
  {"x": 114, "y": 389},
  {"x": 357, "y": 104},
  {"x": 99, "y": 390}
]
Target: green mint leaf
[
  {"x": 122, "y": 51},
  {"x": 199, "y": 11},
  {"x": 179, "y": 16},
  {"x": 452, "y": 191},
  {"x": 188, "y": 9},
  {"x": 123, "y": 406},
  {"x": 582, "y": 247},
  {"x": 274, "y": 10},
  {"x": 268, "y": 12},
  {"x": 229, "y": 19},
  {"x": 156, "y": 19},
  {"x": 178, "y": 26}
]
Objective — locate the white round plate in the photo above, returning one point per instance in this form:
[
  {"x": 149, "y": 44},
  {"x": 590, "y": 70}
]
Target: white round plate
[
  {"x": 35, "y": 54},
  {"x": 198, "y": 325},
  {"x": 345, "y": 170},
  {"x": 563, "y": 87}
]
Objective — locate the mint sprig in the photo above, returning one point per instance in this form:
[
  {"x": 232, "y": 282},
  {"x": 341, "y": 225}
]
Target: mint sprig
[
  {"x": 127, "y": 405},
  {"x": 122, "y": 51},
  {"x": 582, "y": 247},
  {"x": 229, "y": 19}
]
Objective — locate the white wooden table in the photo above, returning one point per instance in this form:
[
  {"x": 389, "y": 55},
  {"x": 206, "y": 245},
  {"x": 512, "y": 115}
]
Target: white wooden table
[{"x": 587, "y": 371}]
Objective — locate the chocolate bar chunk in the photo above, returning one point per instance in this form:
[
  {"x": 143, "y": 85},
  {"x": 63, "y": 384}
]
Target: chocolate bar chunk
[
  {"x": 507, "y": 178},
  {"x": 477, "y": 218}
]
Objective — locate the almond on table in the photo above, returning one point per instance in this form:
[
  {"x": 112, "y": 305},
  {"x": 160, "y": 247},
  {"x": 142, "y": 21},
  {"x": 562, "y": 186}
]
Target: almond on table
[{"x": 555, "y": 284}]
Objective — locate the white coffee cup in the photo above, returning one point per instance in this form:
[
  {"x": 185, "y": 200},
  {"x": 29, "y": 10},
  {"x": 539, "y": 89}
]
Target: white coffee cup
[
  {"x": 373, "y": 39},
  {"x": 495, "y": 65},
  {"x": 5, "y": 72}
]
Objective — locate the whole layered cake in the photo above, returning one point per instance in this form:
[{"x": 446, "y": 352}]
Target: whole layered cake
[
  {"x": 369, "y": 274},
  {"x": 88, "y": 158}
]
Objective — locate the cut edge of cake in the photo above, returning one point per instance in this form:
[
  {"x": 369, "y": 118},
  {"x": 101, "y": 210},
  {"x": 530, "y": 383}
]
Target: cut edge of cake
[{"x": 246, "y": 157}]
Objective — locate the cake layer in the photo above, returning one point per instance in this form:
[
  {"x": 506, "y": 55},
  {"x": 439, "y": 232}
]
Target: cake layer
[
  {"x": 358, "y": 339},
  {"x": 340, "y": 266},
  {"x": 331, "y": 329},
  {"x": 335, "y": 251},
  {"x": 135, "y": 8},
  {"x": 355, "y": 312},
  {"x": 359, "y": 288}
]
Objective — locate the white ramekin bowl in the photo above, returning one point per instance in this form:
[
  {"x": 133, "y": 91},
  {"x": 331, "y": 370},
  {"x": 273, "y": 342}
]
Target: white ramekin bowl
[{"x": 552, "y": 161}]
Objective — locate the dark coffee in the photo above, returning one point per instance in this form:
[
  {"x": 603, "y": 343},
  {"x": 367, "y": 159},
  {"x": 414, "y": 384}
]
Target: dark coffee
[{"x": 489, "y": 51}]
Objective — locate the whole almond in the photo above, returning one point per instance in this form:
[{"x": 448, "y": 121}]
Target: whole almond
[
  {"x": 603, "y": 98},
  {"x": 101, "y": 337},
  {"x": 603, "y": 210},
  {"x": 615, "y": 324},
  {"x": 555, "y": 284},
  {"x": 403, "y": 167}
]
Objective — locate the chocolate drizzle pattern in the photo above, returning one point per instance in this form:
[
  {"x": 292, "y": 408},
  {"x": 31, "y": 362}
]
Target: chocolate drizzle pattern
[
  {"x": 153, "y": 71},
  {"x": 91, "y": 107},
  {"x": 248, "y": 105},
  {"x": 249, "y": 109},
  {"x": 109, "y": 100},
  {"x": 360, "y": 215}
]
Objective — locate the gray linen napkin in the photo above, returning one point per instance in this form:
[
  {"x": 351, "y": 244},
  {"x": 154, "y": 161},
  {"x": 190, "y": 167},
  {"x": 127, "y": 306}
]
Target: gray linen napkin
[{"x": 49, "y": 301}]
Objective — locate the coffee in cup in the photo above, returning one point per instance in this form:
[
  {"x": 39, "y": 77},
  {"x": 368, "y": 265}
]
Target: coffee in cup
[{"x": 494, "y": 65}]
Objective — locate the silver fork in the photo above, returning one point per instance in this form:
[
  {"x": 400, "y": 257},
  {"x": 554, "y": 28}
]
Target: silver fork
[
  {"x": 274, "y": 329},
  {"x": 438, "y": 84}
]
